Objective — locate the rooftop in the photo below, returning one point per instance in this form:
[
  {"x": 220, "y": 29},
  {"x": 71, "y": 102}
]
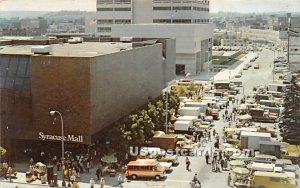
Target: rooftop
[{"x": 85, "y": 49}]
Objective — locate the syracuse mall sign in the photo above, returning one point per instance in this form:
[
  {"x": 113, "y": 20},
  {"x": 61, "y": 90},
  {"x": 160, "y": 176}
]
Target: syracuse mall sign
[{"x": 67, "y": 138}]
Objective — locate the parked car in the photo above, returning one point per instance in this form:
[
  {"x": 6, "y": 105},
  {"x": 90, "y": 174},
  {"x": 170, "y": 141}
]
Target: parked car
[
  {"x": 256, "y": 66},
  {"x": 238, "y": 75}
]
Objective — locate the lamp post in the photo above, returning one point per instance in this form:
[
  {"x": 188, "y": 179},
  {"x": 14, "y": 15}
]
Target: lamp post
[{"x": 62, "y": 144}]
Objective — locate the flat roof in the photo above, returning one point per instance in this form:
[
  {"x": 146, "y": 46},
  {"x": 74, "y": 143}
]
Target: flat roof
[
  {"x": 257, "y": 134},
  {"x": 270, "y": 174},
  {"x": 85, "y": 49},
  {"x": 270, "y": 143}
]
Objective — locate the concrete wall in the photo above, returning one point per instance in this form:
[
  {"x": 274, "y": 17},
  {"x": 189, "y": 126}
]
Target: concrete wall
[
  {"x": 142, "y": 11},
  {"x": 63, "y": 84},
  {"x": 190, "y": 39},
  {"x": 122, "y": 82}
]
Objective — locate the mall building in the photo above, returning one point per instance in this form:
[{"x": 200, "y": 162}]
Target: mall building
[{"x": 92, "y": 84}]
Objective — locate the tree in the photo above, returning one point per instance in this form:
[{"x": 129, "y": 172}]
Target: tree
[
  {"x": 290, "y": 125},
  {"x": 2, "y": 151},
  {"x": 181, "y": 91}
]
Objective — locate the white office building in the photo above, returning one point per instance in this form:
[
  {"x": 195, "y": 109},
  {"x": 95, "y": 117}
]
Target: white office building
[{"x": 185, "y": 20}]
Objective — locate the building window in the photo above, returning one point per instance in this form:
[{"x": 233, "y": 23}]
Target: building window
[
  {"x": 182, "y": 21},
  {"x": 122, "y": 21},
  {"x": 161, "y": 8},
  {"x": 105, "y": 21},
  {"x": 104, "y": 9},
  {"x": 123, "y": 1},
  {"x": 123, "y": 9},
  {"x": 182, "y": 8},
  {"x": 104, "y": 29},
  {"x": 104, "y": 1},
  {"x": 161, "y": 21}
]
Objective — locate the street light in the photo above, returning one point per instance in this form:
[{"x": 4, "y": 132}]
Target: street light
[{"x": 62, "y": 144}]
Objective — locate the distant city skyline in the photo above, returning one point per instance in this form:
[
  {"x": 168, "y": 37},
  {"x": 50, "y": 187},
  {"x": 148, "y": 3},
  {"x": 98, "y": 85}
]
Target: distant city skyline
[{"x": 243, "y": 6}]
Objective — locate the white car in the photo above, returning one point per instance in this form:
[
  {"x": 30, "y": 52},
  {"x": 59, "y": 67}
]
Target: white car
[
  {"x": 280, "y": 69},
  {"x": 256, "y": 66},
  {"x": 238, "y": 75}
]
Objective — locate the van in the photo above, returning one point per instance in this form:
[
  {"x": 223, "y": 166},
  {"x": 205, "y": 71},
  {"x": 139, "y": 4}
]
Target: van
[
  {"x": 145, "y": 169},
  {"x": 272, "y": 180}
]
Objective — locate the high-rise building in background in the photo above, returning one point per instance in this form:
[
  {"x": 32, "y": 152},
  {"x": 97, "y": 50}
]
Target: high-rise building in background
[{"x": 185, "y": 20}]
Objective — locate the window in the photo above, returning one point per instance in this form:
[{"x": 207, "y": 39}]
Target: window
[
  {"x": 123, "y": 1},
  {"x": 104, "y": 9},
  {"x": 123, "y": 9},
  {"x": 104, "y": 1},
  {"x": 274, "y": 179},
  {"x": 161, "y": 8},
  {"x": 104, "y": 29},
  {"x": 182, "y": 21},
  {"x": 161, "y": 21},
  {"x": 182, "y": 8},
  {"x": 122, "y": 21},
  {"x": 104, "y": 21}
]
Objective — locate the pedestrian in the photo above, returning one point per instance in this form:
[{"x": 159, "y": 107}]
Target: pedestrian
[
  {"x": 102, "y": 182},
  {"x": 229, "y": 124},
  {"x": 9, "y": 172},
  {"x": 207, "y": 157},
  {"x": 98, "y": 172},
  {"x": 225, "y": 164},
  {"x": 120, "y": 180},
  {"x": 218, "y": 166},
  {"x": 88, "y": 166},
  {"x": 72, "y": 178},
  {"x": 188, "y": 163},
  {"x": 223, "y": 116},
  {"x": 209, "y": 137},
  {"x": 75, "y": 185},
  {"x": 92, "y": 182},
  {"x": 229, "y": 180},
  {"x": 222, "y": 163}
]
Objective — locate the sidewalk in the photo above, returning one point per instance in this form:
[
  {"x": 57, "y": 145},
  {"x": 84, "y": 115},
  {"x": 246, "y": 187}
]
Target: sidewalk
[{"x": 83, "y": 181}]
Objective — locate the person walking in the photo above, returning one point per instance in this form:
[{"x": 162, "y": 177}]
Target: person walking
[
  {"x": 188, "y": 163},
  {"x": 102, "y": 182},
  {"x": 92, "y": 182},
  {"x": 88, "y": 166},
  {"x": 98, "y": 172},
  {"x": 229, "y": 180},
  {"x": 207, "y": 157},
  {"x": 120, "y": 180}
]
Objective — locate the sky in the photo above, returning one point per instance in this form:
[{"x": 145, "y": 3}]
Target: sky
[{"x": 243, "y": 6}]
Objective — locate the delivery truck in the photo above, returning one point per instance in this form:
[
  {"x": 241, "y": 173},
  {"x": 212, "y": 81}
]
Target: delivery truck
[{"x": 190, "y": 111}]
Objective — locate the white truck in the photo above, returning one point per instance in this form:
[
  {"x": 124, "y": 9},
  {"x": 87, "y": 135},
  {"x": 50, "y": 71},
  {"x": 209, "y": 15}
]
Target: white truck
[
  {"x": 203, "y": 105},
  {"x": 183, "y": 126},
  {"x": 190, "y": 111},
  {"x": 250, "y": 140},
  {"x": 277, "y": 87}
]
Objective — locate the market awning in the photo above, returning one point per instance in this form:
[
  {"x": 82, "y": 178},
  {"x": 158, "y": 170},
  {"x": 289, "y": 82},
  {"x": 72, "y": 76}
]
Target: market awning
[
  {"x": 109, "y": 158},
  {"x": 241, "y": 171},
  {"x": 245, "y": 117}
]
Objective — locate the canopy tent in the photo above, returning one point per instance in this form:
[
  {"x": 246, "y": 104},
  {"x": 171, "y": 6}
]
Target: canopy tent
[
  {"x": 109, "y": 158},
  {"x": 241, "y": 171},
  {"x": 237, "y": 163},
  {"x": 244, "y": 117}
]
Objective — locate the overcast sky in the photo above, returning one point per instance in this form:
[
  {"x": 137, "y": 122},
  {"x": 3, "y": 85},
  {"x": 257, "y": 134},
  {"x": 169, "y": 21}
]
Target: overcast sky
[{"x": 90, "y": 5}]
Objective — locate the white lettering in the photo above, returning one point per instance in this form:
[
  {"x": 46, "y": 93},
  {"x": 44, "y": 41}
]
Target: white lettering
[{"x": 68, "y": 138}]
